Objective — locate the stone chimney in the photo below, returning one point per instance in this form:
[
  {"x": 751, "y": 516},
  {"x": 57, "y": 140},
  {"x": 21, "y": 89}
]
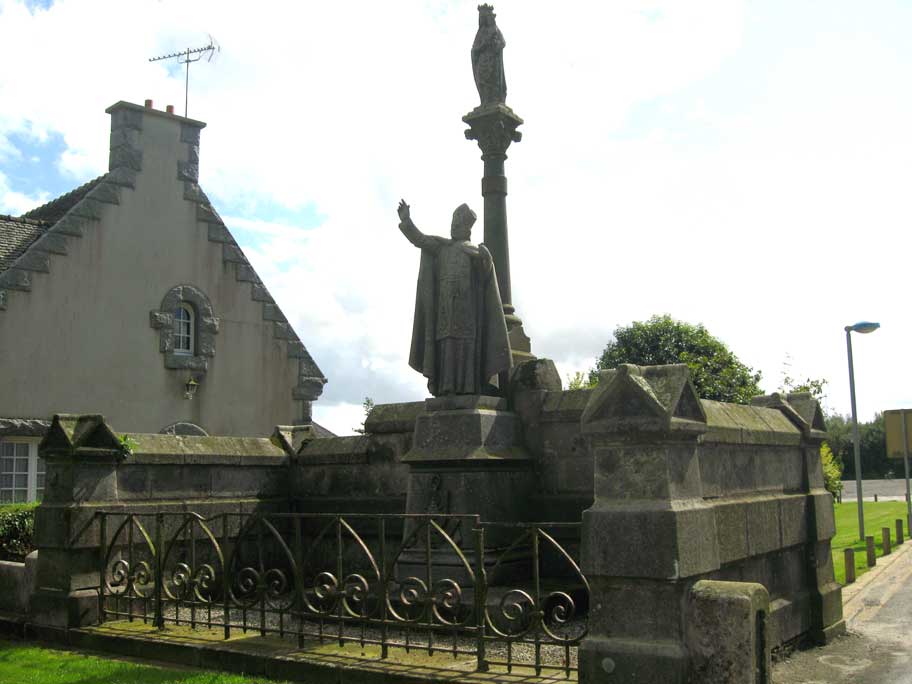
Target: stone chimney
[{"x": 146, "y": 139}]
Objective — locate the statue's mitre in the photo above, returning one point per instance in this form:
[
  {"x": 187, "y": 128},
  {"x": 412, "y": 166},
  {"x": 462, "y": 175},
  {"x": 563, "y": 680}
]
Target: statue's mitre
[
  {"x": 464, "y": 216},
  {"x": 486, "y": 8}
]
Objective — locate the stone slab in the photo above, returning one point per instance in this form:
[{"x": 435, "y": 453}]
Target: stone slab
[{"x": 465, "y": 401}]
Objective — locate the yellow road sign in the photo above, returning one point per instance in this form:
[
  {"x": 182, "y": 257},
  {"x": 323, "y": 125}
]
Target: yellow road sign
[{"x": 893, "y": 423}]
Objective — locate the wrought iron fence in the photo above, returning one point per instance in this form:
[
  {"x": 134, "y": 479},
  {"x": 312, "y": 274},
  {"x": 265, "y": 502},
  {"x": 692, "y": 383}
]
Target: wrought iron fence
[{"x": 505, "y": 594}]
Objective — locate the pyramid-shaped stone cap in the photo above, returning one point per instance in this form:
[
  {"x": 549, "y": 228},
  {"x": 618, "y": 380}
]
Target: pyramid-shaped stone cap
[
  {"x": 290, "y": 438},
  {"x": 801, "y": 408},
  {"x": 71, "y": 432},
  {"x": 650, "y": 398}
]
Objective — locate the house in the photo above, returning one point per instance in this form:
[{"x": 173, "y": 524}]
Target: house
[{"x": 129, "y": 297}]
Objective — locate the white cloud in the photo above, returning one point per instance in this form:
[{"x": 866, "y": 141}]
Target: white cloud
[
  {"x": 772, "y": 210},
  {"x": 16, "y": 203}
]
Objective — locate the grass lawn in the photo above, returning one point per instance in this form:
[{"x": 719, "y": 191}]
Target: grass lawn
[
  {"x": 25, "y": 663},
  {"x": 876, "y": 515}
]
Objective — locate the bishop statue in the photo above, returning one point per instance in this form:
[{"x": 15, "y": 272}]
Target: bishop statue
[{"x": 459, "y": 335}]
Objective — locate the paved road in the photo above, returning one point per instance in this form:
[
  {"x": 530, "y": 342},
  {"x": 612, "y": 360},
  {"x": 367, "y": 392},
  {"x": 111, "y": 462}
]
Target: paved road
[
  {"x": 886, "y": 490},
  {"x": 878, "y": 648}
]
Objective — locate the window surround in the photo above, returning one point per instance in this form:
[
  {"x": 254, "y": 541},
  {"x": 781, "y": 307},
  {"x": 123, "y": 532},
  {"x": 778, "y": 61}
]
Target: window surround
[{"x": 204, "y": 328}]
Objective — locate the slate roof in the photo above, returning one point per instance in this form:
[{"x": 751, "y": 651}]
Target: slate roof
[
  {"x": 16, "y": 236},
  {"x": 54, "y": 210},
  {"x": 37, "y": 427}
]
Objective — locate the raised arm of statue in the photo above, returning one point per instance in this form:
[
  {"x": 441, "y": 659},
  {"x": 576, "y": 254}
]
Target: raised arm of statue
[{"x": 411, "y": 232}]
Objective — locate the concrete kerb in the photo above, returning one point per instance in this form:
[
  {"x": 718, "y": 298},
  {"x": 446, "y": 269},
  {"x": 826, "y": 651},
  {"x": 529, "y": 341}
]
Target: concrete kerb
[{"x": 853, "y": 594}]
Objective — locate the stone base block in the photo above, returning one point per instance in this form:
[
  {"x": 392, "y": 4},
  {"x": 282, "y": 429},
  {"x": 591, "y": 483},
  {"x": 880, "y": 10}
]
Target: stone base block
[
  {"x": 827, "y": 634},
  {"x": 603, "y": 659},
  {"x": 447, "y": 565},
  {"x": 471, "y": 427},
  {"x": 63, "y": 610},
  {"x": 727, "y": 634},
  {"x": 664, "y": 540}
]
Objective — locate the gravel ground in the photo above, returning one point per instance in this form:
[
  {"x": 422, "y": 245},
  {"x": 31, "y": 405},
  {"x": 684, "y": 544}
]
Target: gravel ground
[{"x": 443, "y": 639}]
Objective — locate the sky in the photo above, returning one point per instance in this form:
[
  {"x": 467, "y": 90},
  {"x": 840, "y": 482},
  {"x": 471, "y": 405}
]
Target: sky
[{"x": 744, "y": 165}]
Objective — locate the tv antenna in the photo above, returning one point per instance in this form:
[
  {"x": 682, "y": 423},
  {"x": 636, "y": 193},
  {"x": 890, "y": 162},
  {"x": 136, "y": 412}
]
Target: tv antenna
[{"x": 188, "y": 57}]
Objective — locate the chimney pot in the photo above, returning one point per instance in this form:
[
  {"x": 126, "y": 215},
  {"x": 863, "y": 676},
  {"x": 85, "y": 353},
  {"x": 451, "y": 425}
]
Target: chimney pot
[
  {"x": 170, "y": 109},
  {"x": 149, "y": 104}
]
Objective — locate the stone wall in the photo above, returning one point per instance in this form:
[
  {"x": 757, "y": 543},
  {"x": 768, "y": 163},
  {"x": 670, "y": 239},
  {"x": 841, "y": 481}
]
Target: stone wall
[
  {"x": 89, "y": 469},
  {"x": 688, "y": 490},
  {"x": 361, "y": 474},
  {"x": 685, "y": 490},
  {"x": 671, "y": 491},
  {"x": 17, "y": 582}
]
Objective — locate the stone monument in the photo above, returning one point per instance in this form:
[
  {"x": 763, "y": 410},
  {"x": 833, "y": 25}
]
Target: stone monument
[{"x": 467, "y": 455}]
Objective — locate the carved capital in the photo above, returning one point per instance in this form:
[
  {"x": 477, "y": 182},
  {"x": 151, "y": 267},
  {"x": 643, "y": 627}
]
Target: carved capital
[{"x": 493, "y": 127}]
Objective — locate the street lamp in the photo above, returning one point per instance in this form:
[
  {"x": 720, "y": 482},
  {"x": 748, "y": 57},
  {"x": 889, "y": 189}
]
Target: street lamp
[{"x": 860, "y": 327}]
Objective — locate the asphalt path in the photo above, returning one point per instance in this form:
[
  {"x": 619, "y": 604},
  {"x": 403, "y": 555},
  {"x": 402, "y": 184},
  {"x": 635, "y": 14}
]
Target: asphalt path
[
  {"x": 878, "y": 646},
  {"x": 886, "y": 490}
]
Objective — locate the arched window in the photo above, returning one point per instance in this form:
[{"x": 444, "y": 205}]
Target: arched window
[{"x": 183, "y": 329}]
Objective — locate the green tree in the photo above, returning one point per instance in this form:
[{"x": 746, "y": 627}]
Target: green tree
[
  {"x": 368, "y": 406},
  {"x": 839, "y": 437},
  {"x": 832, "y": 471},
  {"x": 580, "y": 380},
  {"x": 716, "y": 372},
  {"x": 873, "y": 441}
]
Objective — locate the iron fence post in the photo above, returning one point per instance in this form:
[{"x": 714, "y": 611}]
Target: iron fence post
[
  {"x": 384, "y": 592},
  {"x": 481, "y": 598},
  {"x": 340, "y": 579},
  {"x": 226, "y": 584},
  {"x": 299, "y": 577},
  {"x": 159, "y": 573},
  {"x": 102, "y": 558},
  {"x": 539, "y": 608}
]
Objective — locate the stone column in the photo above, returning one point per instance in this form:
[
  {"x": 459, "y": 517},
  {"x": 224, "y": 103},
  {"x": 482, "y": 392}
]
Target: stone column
[
  {"x": 494, "y": 128},
  {"x": 649, "y": 534}
]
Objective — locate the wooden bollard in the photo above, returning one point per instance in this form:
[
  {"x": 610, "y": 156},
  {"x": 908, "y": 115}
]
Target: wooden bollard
[
  {"x": 875, "y": 498},
  {"x": 849, "y": 565},
  {"x": 885, "y": 535},
  {"x": 899, "y": 532},
  {"x": 872, "y": 555}
]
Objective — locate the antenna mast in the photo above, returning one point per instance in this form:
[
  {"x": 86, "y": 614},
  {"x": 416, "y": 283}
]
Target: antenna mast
[{"x": 187, "y": 57}]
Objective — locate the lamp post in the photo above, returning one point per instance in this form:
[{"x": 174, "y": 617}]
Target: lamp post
[{"x": 860, "y": 327}]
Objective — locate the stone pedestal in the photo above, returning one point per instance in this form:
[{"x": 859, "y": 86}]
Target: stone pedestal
[{"x": 467, "y": 458}]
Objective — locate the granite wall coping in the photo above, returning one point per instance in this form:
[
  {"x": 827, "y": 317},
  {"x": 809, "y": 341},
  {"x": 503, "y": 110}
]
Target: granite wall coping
[
  {"x": 741, "y": 424},
  {"x": 147, "y": 448},
  {"x": 564, "y": 406}
]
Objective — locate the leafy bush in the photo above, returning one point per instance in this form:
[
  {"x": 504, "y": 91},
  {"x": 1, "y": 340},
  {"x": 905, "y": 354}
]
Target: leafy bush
[
  {"x": 832, "y": 471},
  {"x": 17, "y": 523}
]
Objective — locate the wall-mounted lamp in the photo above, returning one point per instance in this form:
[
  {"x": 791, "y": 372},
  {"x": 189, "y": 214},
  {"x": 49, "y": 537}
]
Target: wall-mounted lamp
[{"x": 190, "y": 387}]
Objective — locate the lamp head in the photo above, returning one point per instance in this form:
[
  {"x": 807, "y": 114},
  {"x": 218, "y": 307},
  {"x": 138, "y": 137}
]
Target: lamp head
[
  {"x": 863, "y": 327},
  {"x": 190, "y": 387}
]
